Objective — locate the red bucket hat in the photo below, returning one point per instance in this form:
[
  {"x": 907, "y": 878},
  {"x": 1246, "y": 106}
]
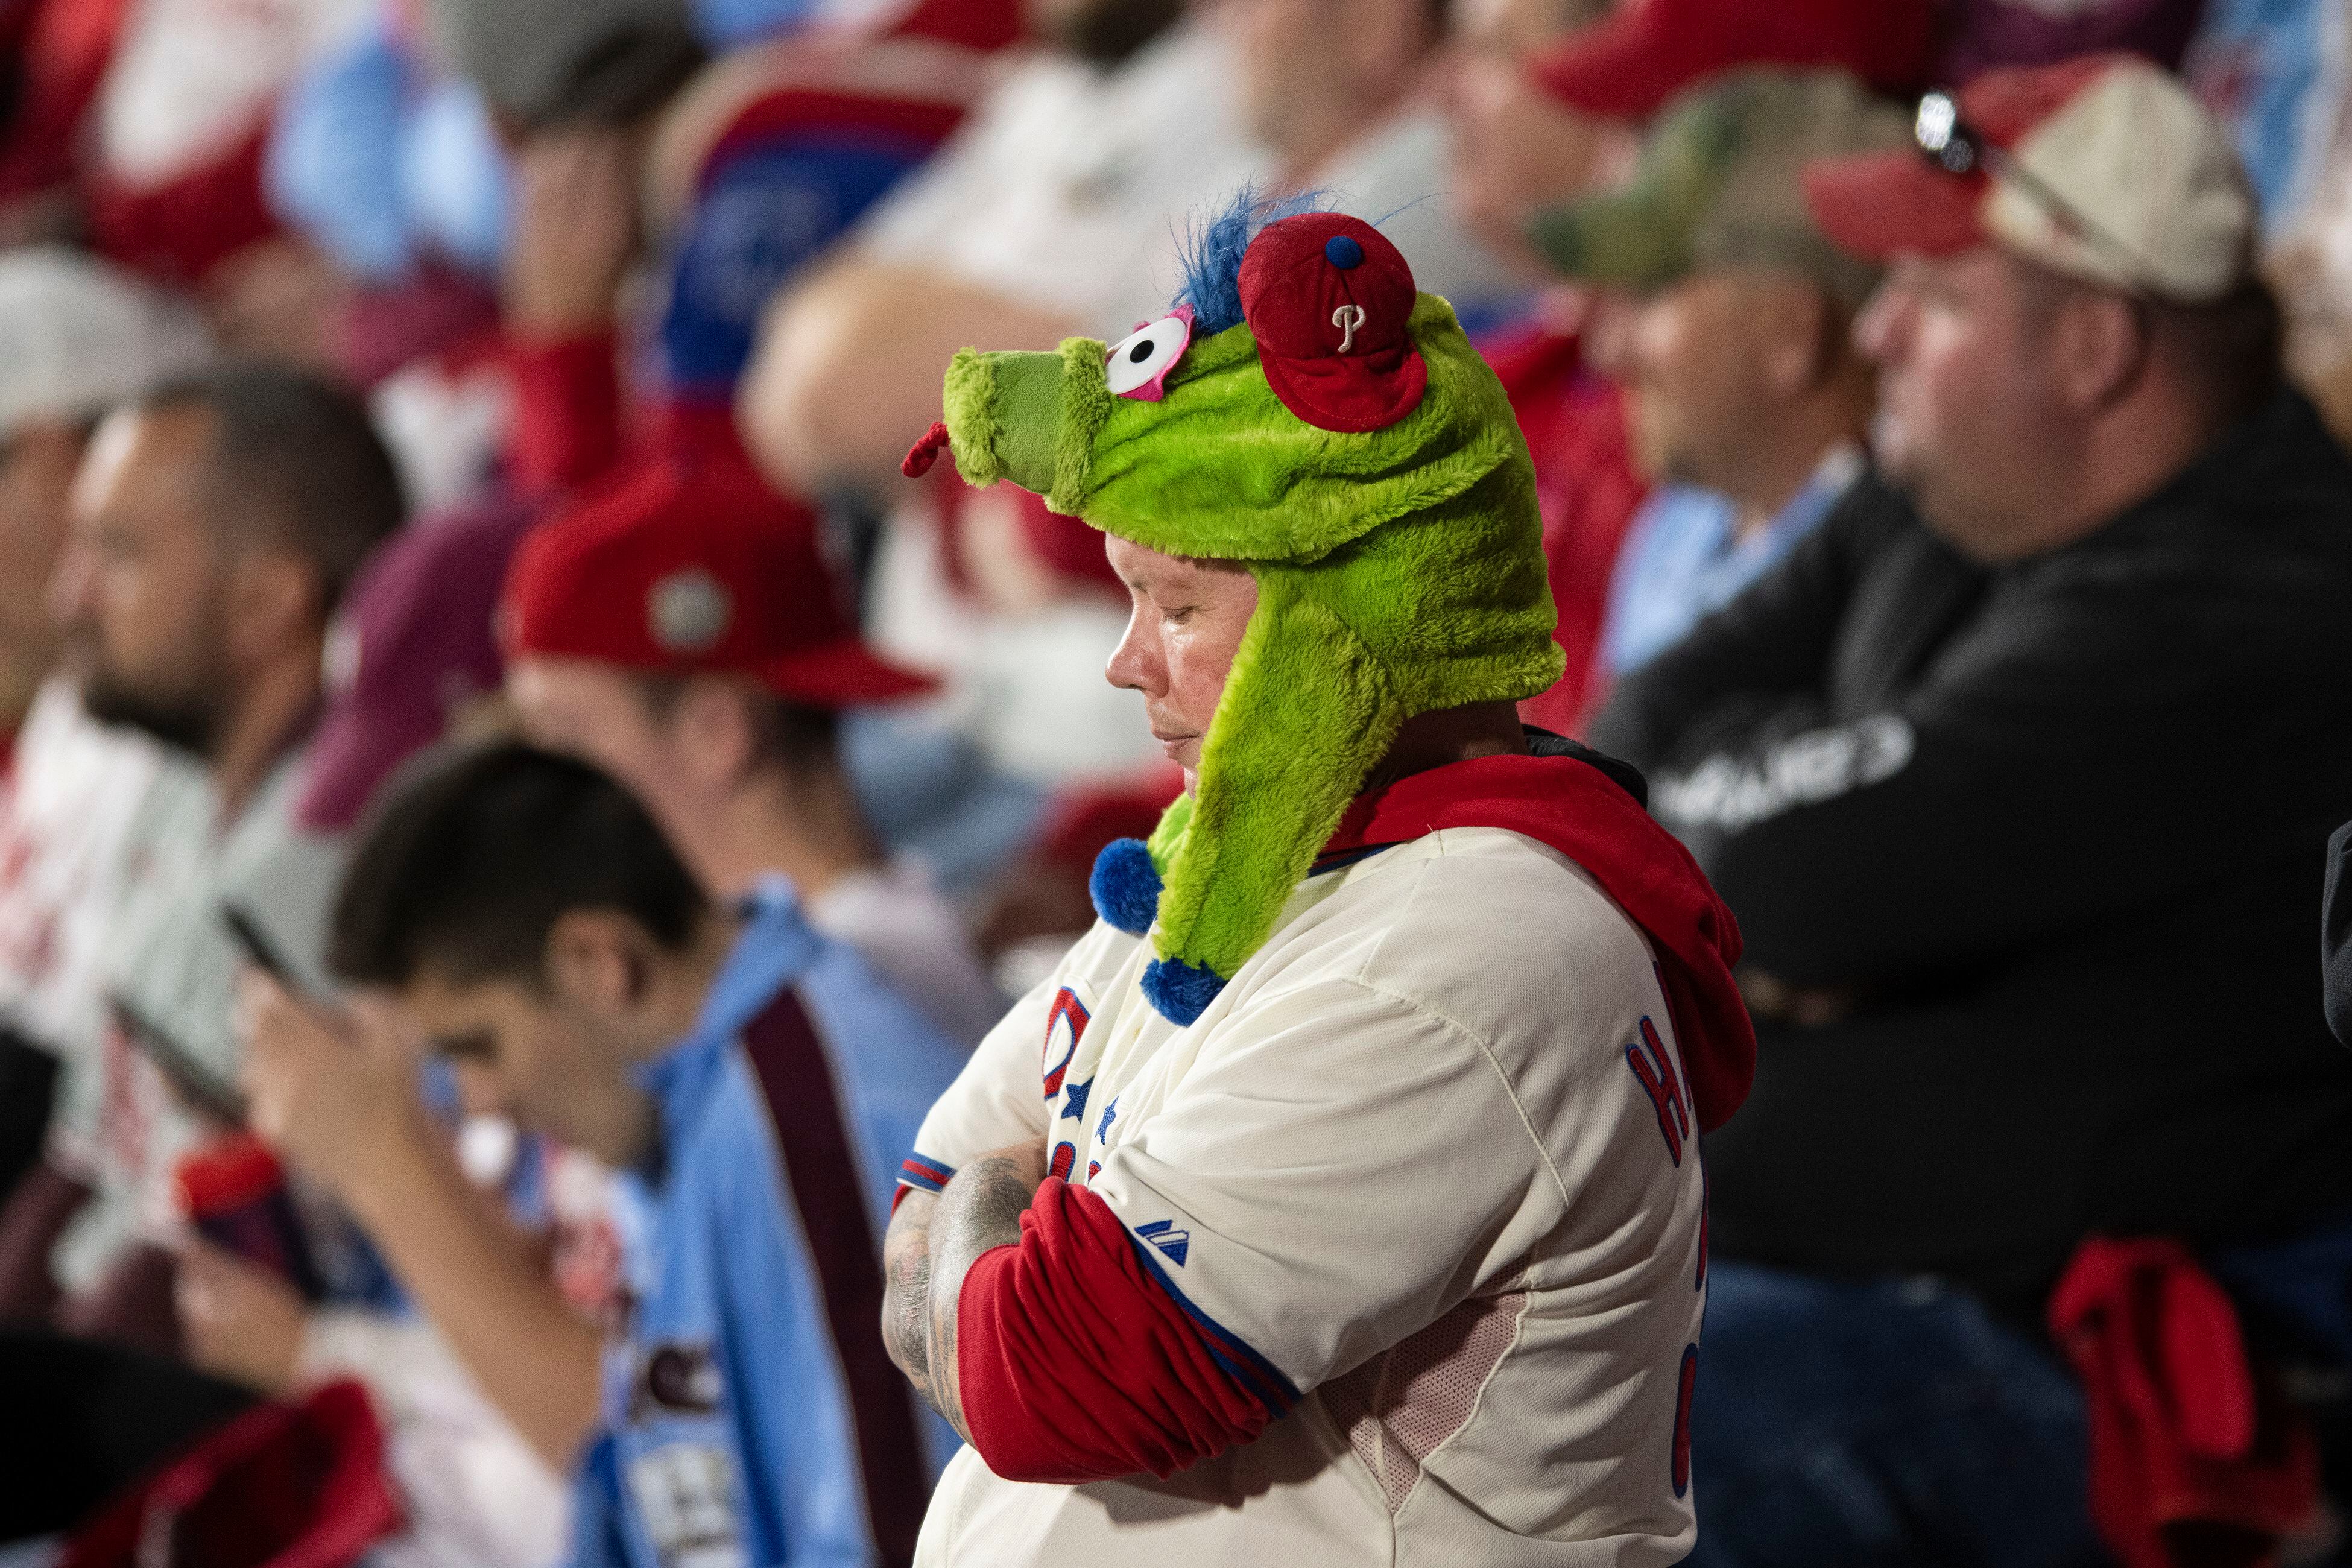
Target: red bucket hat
[
  {"x": 1629, "y": 65},
  {"x": 696, "y": 569}
]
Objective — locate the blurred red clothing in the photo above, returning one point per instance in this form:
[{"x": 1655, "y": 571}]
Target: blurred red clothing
[{"x": 1574, "y": 421}]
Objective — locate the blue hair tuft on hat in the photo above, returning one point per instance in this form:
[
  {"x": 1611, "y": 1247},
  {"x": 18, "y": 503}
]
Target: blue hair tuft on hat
[{"x": 1212, "y": 252}]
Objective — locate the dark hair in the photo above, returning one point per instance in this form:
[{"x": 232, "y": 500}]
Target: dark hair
[
  {"x": 622, "y": 77},
  {"x": 474, "y": 854},
  {"x": 790, "y": 735},
  {"x": 2231, "y": 351},
  {"x": 296, "y": 456}
]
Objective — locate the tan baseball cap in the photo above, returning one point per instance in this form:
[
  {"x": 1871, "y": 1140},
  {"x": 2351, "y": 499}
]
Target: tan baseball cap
[
  {"x": 1718, "y": 185},
  {"x": 2102, "y": 168}
]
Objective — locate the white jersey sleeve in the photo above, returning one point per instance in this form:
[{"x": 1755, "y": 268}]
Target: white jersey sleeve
[{"x": 996, "y": 1101}]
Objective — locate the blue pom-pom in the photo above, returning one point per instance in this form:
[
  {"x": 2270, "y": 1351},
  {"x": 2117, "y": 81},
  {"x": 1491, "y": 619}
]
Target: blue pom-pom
[
  {"x": 1177, "y": 990},
  {"x": 1342, "y": 252},
  {"x": 1126, "y": 885}
]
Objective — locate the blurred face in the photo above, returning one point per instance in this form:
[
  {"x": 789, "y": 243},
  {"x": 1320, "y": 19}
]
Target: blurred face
[
  {"x": 142, "y": 588},
  {"x": 1517, "y": 149},
  {"x": 36, "y": 474},
  {"x": 1969, "y": 423},
  {"x": 1181, "y": 636},
  {"x": 1314, "y": 67},
  {"x": 553, "y": 1059},
  {"x": 1704, "y": 361}
]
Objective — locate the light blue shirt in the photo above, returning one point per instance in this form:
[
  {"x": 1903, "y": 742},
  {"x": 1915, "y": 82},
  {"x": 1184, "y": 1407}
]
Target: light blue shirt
[
  {"x": 745, "y": 1424},
  {"x": 1684, "y": 558}
]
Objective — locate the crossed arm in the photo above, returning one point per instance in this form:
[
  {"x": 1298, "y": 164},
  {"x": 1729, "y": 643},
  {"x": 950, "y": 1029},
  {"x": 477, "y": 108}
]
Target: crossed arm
[{"x": 931, "y": 1244}]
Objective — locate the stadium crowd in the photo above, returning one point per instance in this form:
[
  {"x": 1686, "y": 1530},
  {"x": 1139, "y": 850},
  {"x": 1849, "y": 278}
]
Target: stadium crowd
[{"x": 517, "y": 802}]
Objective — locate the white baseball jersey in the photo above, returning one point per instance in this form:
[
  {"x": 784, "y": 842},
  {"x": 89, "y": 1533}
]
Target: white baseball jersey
[
  {"x": 68, "y": 841},
  {"x": 1428, "y": 1163}
]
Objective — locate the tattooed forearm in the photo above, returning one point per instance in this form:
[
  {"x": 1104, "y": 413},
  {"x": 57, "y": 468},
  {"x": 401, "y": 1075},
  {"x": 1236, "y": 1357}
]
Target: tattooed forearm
[
  {"x": 981, "y": 1209},
  {"x": 907, "y": 1292}
]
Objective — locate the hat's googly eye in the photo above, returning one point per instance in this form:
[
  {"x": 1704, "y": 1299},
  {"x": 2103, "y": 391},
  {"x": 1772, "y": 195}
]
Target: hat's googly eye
[{"x": 1141, "y": 362}]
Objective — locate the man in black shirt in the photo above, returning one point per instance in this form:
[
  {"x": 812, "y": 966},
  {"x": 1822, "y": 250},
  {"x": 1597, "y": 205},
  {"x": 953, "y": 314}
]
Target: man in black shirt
[{"x": 2018, "y": 775}]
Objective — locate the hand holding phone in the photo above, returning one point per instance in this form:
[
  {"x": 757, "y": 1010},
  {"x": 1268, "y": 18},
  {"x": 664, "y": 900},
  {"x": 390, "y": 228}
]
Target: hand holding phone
[{"x": 258, "y": 950}]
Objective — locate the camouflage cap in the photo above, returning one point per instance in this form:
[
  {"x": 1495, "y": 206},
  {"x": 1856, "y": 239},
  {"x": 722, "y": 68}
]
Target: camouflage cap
[{"x": 1718, "y": 184}]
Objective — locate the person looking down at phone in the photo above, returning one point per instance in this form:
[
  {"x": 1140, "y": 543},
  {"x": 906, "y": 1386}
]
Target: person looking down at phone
[
  {"x": 521, "y": 914},
  {"x": 213, "y": 525}
]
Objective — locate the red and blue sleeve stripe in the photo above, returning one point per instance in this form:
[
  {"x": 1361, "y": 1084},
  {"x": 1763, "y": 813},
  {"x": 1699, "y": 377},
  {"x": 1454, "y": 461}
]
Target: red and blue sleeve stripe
[
  {"x": 924, "y": 1174},
  {"x": 1078, "y": 1360}
]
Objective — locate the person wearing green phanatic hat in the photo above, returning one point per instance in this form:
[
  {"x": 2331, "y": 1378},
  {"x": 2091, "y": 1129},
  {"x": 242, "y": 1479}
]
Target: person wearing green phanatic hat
[
  {"x": 1375, "y": 1097},
  {"x": 1727, "y": 315}
]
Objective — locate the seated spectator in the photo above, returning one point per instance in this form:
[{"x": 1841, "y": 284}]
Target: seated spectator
[
  {"x": 682, "y": 632},
  {"x": 1731, "y": 331},
  {"x": 1971, "y": 766},
  {"x": 635, "y": 158},
  {"x": 1048, "y": 213},
  {"x": 526, "y": 917},
  {"x": 77, "y": 336},
  {"x": 1348, "y": 96},
  {"x": 411, "y": 658},
  {"x": 1535, "y": 136},
  {"x": 216, "y": 523}
]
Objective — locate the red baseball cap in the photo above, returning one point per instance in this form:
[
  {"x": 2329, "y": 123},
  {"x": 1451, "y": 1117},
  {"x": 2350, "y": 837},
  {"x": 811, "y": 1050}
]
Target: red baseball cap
[
  {"x": 1329, "y": 300},
  {"x": 2104, "y": 167},
  {"x": 1648, "y": 51},
  {"x": 690, "y": 566}
]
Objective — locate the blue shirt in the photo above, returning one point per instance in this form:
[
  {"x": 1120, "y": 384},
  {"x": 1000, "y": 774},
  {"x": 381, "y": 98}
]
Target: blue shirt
[
  {"x": 752, "y": 1417},
  {"x": 1683, "y": 559}
]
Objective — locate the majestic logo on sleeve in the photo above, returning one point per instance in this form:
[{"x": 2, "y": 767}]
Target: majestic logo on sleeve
[
  {"x": 1163, "y": 1233},
  {"x": 1065, "y": 1025}
]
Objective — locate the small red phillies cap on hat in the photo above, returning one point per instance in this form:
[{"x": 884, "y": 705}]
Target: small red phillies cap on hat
[
  {"x": 2103, "y": 168},
  {"x": 1627, "y": 65},
  {"x": 695, "y": 568},
  {"x": 1329, "y": 300}
]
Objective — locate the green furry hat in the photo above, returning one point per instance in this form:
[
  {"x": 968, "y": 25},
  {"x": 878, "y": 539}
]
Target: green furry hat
[{"x": 1307, "y": 412}]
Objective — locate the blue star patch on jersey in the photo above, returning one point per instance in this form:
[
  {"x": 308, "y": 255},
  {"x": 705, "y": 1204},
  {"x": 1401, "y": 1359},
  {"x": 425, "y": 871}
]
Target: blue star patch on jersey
[{"x": 1075, "y": 1103}]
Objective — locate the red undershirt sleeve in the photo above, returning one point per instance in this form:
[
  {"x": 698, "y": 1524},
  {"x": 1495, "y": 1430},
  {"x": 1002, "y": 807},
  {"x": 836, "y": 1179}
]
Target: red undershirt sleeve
[
  {"x": 1076, "y": 1364},
  {"x": 568, "y": 414}
]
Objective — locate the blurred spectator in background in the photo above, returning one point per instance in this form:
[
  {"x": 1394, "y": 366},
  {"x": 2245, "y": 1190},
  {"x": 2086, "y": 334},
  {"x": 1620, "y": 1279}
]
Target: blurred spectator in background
[
  {"x": 1728, "y": 321},
  {"x": 750, "y": 1078},
  {"x": 1538, "y": 132},
  {"x": 216, "y": 523},
  {"x": 1971, "y": 765},
  {"x": 682, "y": 631},
  {"x": 391, "y": 166},
  {"x": 1078, "y": 168},
  {"x": 1347, "y": 95},
  {"x": 77, "y": 336},
  {"x": 713, "y": 185}
]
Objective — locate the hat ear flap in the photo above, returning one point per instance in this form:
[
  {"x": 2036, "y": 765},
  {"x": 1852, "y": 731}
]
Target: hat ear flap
[{"x": 1307, "y": 713}]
